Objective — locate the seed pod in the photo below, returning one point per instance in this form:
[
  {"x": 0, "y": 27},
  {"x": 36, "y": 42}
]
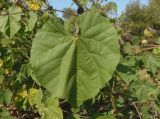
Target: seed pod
[
  {"x": 80, "y": 10},
  {"x": 22, "y": 4}
]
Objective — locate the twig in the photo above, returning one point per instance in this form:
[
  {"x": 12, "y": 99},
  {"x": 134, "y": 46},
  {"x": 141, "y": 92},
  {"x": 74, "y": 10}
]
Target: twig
[
  {"x": 56, "y": 10},
  {"x": 7, "y": 14},
  {"x": 149, "y": 48},
  {"x": 139, "y": 114},
  {"x": 151, "y": 45},
  {"x": 112, "y": 98},
  {"x": 74, "y": 14},
  {"x": 117, "y": 74},
  {"x": 124, "y": 108},
  {"x": 15, "y": 48}
]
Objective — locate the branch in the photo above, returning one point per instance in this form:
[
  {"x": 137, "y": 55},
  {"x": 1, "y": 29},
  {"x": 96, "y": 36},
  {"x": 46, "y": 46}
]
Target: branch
[
  {"x": 7, "y": 14},
  {"x": 112, "y": 98},
  {"x": 139, "y": 114},
  {"x": 74, "y": 14}
]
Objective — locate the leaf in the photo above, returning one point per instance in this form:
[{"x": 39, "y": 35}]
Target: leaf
[
  {"x": 147, "y": 33},
  {"x": 156, "y": 51},
  {"x": 5, "y": 96},
  {"x": 21, "y": 99},
  {"x": 34, "y": 96},
  {"x": 127, "y": 69},
  {"x": 9, "y": 24},
  {"x": 3, "y": 22},
  {"x": 152, "y": 63},
  {"x": 143, "y": 90},
  {"x": 13, "y": 21},
  {"x": 51, "y": 109},
  {"x": 31, "y": 21},
  {"x": 75, "y": 66},
  {"x": 102, "y": 116},
  {"x": 5, "y": 115}
]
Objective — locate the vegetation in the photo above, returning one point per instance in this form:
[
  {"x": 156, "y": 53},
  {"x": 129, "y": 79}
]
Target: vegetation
[{"x": 87, "y": 65}]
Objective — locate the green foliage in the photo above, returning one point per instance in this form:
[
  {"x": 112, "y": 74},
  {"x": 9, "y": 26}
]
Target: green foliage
[
  {"x": 152, "y": 63},
  {"x": 31, "y": 21},
  {"x": 153, "y": 11},
  {"x": 5, "y": 115},
  {"x": 127, "y": 69},
  {"x": 5, "y": 96},
  {"x": 143, "y": 90},
  {"x": 50, "y": 109},
  {"x": 76, "y": 57},
  {"x": 53, "y": 68},
  {"x": 135, "y": 18}
]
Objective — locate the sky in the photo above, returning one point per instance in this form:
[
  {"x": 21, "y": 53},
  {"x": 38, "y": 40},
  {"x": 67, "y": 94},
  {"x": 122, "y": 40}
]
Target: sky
[{"x": 60, "y": 4}]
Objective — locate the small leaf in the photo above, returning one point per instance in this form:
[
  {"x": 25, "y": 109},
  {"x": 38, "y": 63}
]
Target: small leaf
[
  {"x": 31, "y": 21},
  {"x": 127, "y": 69},
  {"x": 9, "y": 23},
  {"x": 50, "y": 109},
  {"x": 152, "y": 63},
  {"x": 5, "y": 96},
  {"x": 147, "y": 33},
  {"x": 5, "y": 115},
  {"x": 13, "y": 21},
  {"x": 144, "y": 90},
  {"x": 156, "y": 51},
  {"x": 34, "y": 96}
]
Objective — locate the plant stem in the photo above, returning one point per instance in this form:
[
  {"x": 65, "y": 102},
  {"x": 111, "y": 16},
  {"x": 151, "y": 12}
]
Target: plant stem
[{"x": 139, "y": 114}]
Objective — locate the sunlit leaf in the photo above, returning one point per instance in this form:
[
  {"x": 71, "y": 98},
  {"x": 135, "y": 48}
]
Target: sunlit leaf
[
  {"x": 75, "y": 66},
  {"x": 34, "y": 96}
]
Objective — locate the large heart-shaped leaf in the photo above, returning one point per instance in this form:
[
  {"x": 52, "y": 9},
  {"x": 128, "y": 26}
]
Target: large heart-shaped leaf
[{"x": 75, "y": 67}]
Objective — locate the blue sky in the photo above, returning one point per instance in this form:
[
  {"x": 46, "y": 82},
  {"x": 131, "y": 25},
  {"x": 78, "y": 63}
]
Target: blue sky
[{"x": 60, "y": 4}]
